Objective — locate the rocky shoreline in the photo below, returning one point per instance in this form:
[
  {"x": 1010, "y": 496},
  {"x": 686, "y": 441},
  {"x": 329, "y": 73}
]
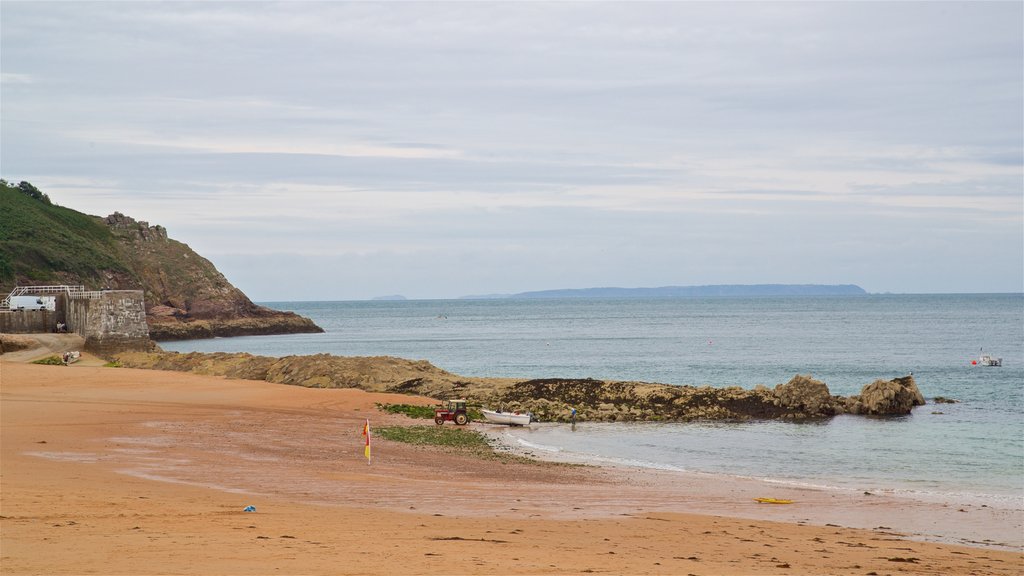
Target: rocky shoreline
[
  {"x": 549, "y": 399},
  {"x": 163, "y": 329}
]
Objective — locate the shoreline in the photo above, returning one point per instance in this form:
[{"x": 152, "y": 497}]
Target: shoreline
[
  {"x": 84, "y": 446},
  {"x": 991, "y": 526},
  {"x": 508, "y": 440}
]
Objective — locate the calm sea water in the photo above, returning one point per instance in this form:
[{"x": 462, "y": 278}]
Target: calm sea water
[{"x": 973, "y": 450}]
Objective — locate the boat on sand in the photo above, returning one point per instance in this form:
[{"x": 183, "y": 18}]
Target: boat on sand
[{"x": 510, "y": 418}]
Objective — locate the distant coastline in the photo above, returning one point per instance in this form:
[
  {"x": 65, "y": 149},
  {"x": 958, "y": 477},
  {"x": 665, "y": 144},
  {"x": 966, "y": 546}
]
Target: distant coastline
[
  {"x": 390, "y": 297},
  {"x": 707, "y": 291}
]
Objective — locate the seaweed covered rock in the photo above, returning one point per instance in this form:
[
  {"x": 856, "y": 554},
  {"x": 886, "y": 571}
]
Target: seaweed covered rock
[
  {"x": 596, "y": 400},
  {"x": 550, "y": 399},
  {"x": 805, "y": 397},
  {"x": 888, "y": 397}
]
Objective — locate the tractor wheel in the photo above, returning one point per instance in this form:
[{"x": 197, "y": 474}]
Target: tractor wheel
[
  {"x": 438, "y": 420},
  {"x": 461, "y": 419}
]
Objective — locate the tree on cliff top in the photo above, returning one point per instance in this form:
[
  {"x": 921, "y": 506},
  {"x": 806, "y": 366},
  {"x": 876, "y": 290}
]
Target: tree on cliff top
[
  {"x": 33, "y": 192},
  {"x": 28, "y": 189}
]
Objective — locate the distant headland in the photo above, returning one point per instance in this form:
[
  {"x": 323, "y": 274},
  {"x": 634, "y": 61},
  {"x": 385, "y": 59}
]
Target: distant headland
[{"x": 707, "y": 291}]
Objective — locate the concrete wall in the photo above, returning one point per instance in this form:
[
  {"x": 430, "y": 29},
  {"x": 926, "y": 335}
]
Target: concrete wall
[
  {"x": 111, "y": 321},
  {"x": 29, "y": 321}
]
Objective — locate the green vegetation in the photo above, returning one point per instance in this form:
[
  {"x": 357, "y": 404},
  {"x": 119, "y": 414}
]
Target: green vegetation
[
  {"x": 28, "y": 190},
  {"x": 453, "y": 439},
  {"x": 50, "y": 361},
  {"x": 41, "y": 242},
  {"x": 112, "y": 364},
  {"x": 409, "y": 410},
  {"x": 458, "y": 439}
]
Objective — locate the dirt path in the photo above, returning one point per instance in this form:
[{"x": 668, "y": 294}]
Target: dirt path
[{"x": 47, "y": 344}]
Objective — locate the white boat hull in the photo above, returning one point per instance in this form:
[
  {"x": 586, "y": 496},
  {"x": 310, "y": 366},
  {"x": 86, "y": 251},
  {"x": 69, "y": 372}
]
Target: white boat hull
[
  {"x": 510, "y": 418},
  {"x": 987, "y": 360}
]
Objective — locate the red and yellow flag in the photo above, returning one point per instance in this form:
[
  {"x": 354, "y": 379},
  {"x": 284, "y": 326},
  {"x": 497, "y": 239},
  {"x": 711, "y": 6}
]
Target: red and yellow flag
[{"x": 366, "y": 432}]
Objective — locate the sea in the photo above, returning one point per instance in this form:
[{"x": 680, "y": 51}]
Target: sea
[{"x": 970, "y": 451}]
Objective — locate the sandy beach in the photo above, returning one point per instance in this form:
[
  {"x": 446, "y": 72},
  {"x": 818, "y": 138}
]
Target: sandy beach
[{"x": 122, "y": 471}]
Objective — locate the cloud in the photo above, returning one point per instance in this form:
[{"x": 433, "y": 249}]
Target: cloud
[
  {"x": 599, "y": 141},
  {"x": 14, "y": 78},
  {"x": 219, "y": 144}
]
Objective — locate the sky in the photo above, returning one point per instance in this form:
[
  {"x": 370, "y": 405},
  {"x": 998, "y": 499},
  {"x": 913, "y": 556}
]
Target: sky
[{"x": 344, "y": 151}]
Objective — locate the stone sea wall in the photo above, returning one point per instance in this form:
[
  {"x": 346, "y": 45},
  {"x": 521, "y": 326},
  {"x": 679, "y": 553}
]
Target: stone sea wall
[
  {"x": 29, "y": 321},
  {"x": 550, "y": 399},
  {"x": 110, "y": 321}
]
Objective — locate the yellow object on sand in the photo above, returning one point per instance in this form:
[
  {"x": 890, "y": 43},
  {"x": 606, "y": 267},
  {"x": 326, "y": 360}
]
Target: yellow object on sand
[{"x": 772, "y": 501}]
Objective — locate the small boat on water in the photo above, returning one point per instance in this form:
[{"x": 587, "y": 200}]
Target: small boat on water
[
  {"x": 510, "y": 418},
  {"x": 989, "y": 360}
]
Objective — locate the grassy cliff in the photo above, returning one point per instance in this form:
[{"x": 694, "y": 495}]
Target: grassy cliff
[
  {"x": 42, "y": 243},
  {"x": 186, "y": 296}
]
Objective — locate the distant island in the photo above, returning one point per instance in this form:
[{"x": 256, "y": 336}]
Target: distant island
[
  {"x": 390, "y": 297},
  {"x": 709, "y": 291}
]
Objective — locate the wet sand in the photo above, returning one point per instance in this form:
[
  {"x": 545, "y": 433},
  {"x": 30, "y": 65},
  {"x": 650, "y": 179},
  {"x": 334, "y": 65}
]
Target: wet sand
[{"x": 119, "y": 471}]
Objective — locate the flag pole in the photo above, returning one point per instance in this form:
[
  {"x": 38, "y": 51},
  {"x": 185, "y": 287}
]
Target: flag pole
[{"x": 366, "y": 432}]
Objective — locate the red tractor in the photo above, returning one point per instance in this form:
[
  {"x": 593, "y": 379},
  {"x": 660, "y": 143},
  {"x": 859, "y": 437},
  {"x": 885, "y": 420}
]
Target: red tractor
[{"x": 451, "y": 410}]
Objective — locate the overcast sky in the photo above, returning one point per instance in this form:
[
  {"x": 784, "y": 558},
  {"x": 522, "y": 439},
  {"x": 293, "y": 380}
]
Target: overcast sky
[{"x": 340, "y": 151}]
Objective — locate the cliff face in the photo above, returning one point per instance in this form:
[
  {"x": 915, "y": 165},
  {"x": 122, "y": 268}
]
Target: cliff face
[{"x": 185, "y": 295}]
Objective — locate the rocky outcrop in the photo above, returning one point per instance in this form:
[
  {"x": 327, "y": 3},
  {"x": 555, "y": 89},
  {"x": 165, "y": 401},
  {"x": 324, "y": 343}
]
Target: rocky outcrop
[
  {"x": 376, "y": 373},
  {"x": 186, "y": 296},
  {"x": 799, "y": 399},
  {"x": 886, "y": 398},
  {"x": 805, "y": 395},
  {"x": 140, "y": 228},
  {"x": 185, "y": 328},
  {"x": 802, "y": 398},
  {"x": 183, "y": 292}
]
